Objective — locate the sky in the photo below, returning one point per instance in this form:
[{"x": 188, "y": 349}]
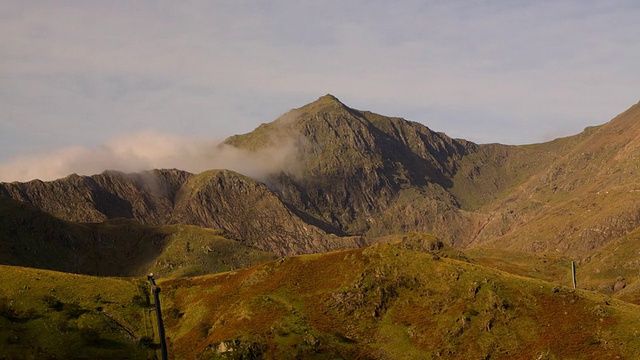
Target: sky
[{"x": 114, "y": 80}]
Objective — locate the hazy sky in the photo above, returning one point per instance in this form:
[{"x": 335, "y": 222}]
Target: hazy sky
[{"x": 76, "y": 75}]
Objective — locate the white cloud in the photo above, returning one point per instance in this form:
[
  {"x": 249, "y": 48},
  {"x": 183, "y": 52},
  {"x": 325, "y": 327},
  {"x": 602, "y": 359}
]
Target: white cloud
[{"x": 152, "y": 150}]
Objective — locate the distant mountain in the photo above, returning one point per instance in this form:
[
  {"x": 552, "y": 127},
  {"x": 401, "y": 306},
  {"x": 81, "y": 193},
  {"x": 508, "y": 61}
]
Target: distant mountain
[
  {"x": 584, "y": 198},
  {"x": 365, "y": 173},
  {"x": 147, "y": 197},
  {"x": 243, "y": 208}
]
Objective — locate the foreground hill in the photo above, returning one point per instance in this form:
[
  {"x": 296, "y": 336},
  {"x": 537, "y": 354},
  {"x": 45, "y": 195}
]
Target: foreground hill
[
  {"x": 413, "y": 299},
  {"x": 51, "y": 315},
  {"x": 392, "y": 301}
]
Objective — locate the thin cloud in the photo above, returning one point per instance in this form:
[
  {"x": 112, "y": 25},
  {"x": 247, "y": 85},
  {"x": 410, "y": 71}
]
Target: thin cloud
[{"x": 152, "y": 150}]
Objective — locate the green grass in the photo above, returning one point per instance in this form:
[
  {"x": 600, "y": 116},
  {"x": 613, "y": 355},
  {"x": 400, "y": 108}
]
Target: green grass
[
  {"x": 413, "y": 298},
  {"x": 549, "y": 267},
  {"x": 46, "y": 314},
  {"x": 390, "y": 301}
]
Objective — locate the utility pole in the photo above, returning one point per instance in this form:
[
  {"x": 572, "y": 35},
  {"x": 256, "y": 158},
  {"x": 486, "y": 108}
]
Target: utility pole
[{"x": 156, "y": 299}]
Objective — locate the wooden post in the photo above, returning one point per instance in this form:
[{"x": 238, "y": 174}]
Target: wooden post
[
  {"x": 156, "y": 299},
  {"x": 573, "y": 273}
]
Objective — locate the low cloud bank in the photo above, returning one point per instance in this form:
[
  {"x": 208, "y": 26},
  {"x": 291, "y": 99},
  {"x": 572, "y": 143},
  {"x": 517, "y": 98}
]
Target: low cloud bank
[{"x": 152, "y": 150}]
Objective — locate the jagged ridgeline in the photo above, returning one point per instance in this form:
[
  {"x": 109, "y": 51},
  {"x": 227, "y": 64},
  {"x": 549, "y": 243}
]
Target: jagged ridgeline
[
  {"x": 363, "y": 173},
  {"x": 355, "y": 175}
]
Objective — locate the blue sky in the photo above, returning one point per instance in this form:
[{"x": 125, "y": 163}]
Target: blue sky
[{"x": 83, "y": 75}]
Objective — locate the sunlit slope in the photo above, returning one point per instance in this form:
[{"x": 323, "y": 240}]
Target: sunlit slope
[
  {"x": 51, "y": 315},
  {"x": 581, "y": 201},
  {"x": 392, "y": 301}
]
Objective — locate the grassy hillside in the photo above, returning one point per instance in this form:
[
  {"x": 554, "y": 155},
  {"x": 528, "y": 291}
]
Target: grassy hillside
[
  {"x": 51, "y": 315},
  {"x": 414, "y": 298},
  {"x": 392, "y": 301}
]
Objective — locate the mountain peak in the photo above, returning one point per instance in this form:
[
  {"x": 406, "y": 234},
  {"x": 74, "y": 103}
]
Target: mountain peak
[
  {"x": 326, "y": 102},
  {"x": 328, "y": 98}
]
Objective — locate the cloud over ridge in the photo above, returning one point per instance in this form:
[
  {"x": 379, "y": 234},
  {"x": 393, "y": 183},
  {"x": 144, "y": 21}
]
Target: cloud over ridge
[{"x": 150, "y": 149}]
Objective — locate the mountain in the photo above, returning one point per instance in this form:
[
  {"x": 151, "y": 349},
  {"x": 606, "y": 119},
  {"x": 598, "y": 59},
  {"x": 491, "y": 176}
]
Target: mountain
[
  {"x": 357, "y": 177},
  {"x": 471, "y": 256},
  {"x": 365, "y": 173},
  {"x": 579, "y": 202},
  {"x": 147, "y": 197},
  {"x": 369, "y": 174},
  {"x": 243, "y": 208}
]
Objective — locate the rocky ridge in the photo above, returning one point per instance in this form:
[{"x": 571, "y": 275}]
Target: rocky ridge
[{"x": 359, "y": 175}]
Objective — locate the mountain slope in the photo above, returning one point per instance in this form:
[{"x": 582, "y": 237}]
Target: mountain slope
[
  {"x": 242, "y": 207},
  {"x": 582, "y": 200},
  {"x": 29, "y": 237},
  {"x": 369, "y": 174},
  {"x": 251, "y": 212},
  {"x": 146, "y": 197},
  {"x": 51, "y": 315},
  {"x": 392, "y": 301},
  {"x": 352, "y": 168}
]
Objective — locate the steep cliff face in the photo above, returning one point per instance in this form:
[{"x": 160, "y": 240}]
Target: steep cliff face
[
  {"x": 250, "y": 211},
  {"x": 147, "y": 197}
]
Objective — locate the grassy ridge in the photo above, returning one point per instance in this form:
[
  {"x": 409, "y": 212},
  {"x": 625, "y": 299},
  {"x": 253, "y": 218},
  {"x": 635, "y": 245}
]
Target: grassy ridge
[
  {"x": 46, "y": 314},
  {"x": 391, "y": 301},
  {"x": 413, "y": 298}
]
